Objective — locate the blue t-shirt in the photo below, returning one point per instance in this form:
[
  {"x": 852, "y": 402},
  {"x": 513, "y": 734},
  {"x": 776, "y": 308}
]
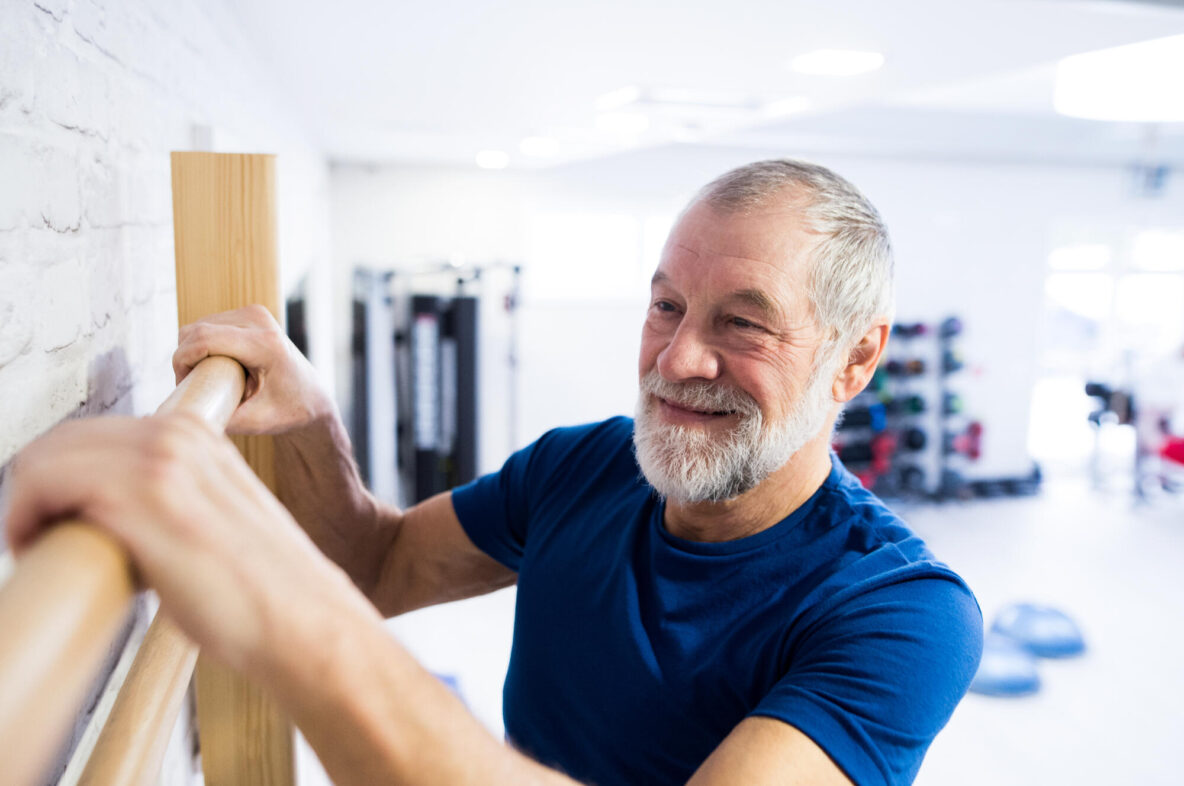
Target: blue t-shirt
[{"x": 636, "y": 652}]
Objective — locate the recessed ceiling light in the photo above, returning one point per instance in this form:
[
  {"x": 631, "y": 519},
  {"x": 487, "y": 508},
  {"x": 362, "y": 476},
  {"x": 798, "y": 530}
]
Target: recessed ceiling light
[
  {"x": 836, "y": 62},
  {"x": 615, "y": 99},
  {"x": 493, "y": 159},
  {"x": 539, "y": 146},
  {"x": 1137, "y": 83},
  {"x": 786, "y": 106},
  {"x": 622, "y": 123}
]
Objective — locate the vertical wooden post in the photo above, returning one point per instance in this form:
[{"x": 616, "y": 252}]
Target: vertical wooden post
[{"x": 224, "y": 223}]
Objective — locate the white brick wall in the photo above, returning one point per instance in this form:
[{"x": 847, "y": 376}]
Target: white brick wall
[{"x": 94, "y": 94}]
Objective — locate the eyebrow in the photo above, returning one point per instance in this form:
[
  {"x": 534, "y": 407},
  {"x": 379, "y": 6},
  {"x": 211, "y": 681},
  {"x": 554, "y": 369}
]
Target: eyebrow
[
  {"x": 753, "y": 297},
  {"x": 760, "y": 301}
]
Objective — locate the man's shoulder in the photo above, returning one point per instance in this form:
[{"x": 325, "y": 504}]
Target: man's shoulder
[
  {"x": 604, "y": 434},
  {"x": 870, "y": 522},
  {"x": 612, "y": 438},
  {"x": 586, "y": 455},
  {"x": 878, "y": 548}
]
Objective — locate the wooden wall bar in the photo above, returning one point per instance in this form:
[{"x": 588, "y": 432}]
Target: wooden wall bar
[
  {"x": 65, "y": 602},
  {"x": 224, "y": 221}
]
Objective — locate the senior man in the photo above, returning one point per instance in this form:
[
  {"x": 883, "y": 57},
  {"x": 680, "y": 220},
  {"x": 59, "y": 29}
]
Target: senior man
[{"x": 704, "y": 592}]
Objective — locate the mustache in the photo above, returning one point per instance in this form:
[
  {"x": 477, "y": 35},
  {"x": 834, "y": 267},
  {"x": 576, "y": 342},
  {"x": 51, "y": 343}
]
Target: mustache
[{"x": 701, "y": 396}]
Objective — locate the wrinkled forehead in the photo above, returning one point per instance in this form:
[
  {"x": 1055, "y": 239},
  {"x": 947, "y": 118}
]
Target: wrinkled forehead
[{"x": 766, "y": 255}]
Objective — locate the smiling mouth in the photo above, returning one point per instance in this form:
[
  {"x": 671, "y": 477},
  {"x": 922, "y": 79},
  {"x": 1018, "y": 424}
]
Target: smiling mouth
[{"x": 705, "y": 412}]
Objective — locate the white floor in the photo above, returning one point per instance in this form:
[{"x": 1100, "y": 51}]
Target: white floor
[{"x": 1112, "y": 716}]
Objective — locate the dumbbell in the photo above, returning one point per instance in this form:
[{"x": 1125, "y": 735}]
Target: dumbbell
[
  {"x": 912, "y": 479},
  {"x": 877, "y": 451},
  {"x": 910, "y": 331},
  {"x": 883, "y": 449},
  {"x": 1120, "y": 402},
  {"x": 905, "y": 405},
  {"x": 873, "y": 416},
  {"x": 951, "y": 361},
  {"x": 905, "y": 368},
  {"x": 951, "y": 403},
  {"x": 867, "y": 477},
  {"x": 949, "y": 327},
  {"x": 914, "y": 439},
  {"x": 967, "y": 443},
  {"x": 953, "y": 485}
]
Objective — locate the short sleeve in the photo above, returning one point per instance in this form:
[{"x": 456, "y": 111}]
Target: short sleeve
[
  {"x": 497, "y": 510},
  {"x": 877, "y": 677},
  {"x": 494, "y": 509}
]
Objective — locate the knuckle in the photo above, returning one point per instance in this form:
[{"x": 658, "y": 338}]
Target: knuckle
[
  {"x": 257, "y": 312},
  {"x": 194, "y": 343},
  {"x": 160, "y": 478},
  {"x": 166, "y": 440},
  {"x": 200, "y": 332},
  {"x": 274, "y": 341}
]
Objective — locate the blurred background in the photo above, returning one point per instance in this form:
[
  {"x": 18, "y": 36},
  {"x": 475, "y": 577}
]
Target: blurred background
[{"x": 473, "y": 196}]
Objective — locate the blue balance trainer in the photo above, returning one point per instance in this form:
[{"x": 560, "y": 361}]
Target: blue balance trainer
[
  {"x": 1007, "y": 668},
  {"x": 1041, "y": 630}
]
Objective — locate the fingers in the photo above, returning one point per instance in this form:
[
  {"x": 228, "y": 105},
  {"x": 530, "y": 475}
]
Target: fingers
[
  {"x": 199, "y": 526},
  {"x": 281, "y": 392},
  {"x": 64, "y": 474},
  {"x": 222, "y": 334}
]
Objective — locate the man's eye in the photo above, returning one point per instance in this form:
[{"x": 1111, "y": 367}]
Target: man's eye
[
  {"x": 662, "y": 305},
  {"x": 741, "y": 322}
]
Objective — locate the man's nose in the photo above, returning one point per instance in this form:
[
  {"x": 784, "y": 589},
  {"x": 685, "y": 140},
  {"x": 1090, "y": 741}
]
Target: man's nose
[{"x": 689, "y": 355}]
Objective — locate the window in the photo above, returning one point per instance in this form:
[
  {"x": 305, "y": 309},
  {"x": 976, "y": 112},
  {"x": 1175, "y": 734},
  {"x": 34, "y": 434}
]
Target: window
[{"x": 1111, "y": 303}]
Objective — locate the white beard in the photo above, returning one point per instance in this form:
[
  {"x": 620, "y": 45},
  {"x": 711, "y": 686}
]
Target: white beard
[{"x": 688, "y": 464}]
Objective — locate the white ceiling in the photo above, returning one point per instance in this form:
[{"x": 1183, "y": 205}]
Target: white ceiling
[{"x": 438, "y": 81}]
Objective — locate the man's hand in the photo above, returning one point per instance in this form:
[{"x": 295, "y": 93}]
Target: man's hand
[
  {"x": 282, "y": 392},
  {"x": 315, "y": 470},
  {"x": 226, "y": 558},
  {"x": 239, "y": 577}
]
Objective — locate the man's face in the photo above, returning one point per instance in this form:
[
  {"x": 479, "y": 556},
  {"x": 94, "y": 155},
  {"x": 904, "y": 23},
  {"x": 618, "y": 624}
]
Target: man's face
[{"x": 728, "y": 392}]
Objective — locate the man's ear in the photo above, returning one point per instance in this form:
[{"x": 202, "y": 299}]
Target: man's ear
[{"x": 861, "y": 363}]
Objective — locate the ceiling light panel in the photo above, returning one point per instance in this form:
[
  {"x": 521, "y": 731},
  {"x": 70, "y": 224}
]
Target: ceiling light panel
[
  {"x": 836, "y": 62},
  {"x": 493, "y": 159},
  {"x": 1137, "y": 83}
]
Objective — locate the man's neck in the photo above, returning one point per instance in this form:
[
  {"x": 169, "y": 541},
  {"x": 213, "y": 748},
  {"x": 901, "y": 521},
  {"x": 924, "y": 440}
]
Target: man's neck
[{"x": 779, "y": 495}]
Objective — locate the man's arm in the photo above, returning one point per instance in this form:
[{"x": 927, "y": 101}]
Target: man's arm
[
  {"x": 401, "y": 561},
  {"x": 241, "y": 579},
  {"x": 767, "y": 751},
  {"x": 431, "y": 560},
  {"x": 375, "y": 716}
]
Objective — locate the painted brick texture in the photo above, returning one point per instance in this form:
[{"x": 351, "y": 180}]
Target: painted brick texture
[{"x": 94, "y": 94}]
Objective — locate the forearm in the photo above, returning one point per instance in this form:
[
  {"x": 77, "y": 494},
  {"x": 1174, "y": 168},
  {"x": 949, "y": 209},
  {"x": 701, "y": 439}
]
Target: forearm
[
  {"x": 318, "y": 481},
  {"x": 374, "y": 715}
]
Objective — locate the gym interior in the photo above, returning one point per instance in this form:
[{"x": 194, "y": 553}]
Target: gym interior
[{"x": 471, "y": 199}]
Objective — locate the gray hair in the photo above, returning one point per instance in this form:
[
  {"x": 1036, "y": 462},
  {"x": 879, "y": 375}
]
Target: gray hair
[{"x": 851, "y": 279}]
